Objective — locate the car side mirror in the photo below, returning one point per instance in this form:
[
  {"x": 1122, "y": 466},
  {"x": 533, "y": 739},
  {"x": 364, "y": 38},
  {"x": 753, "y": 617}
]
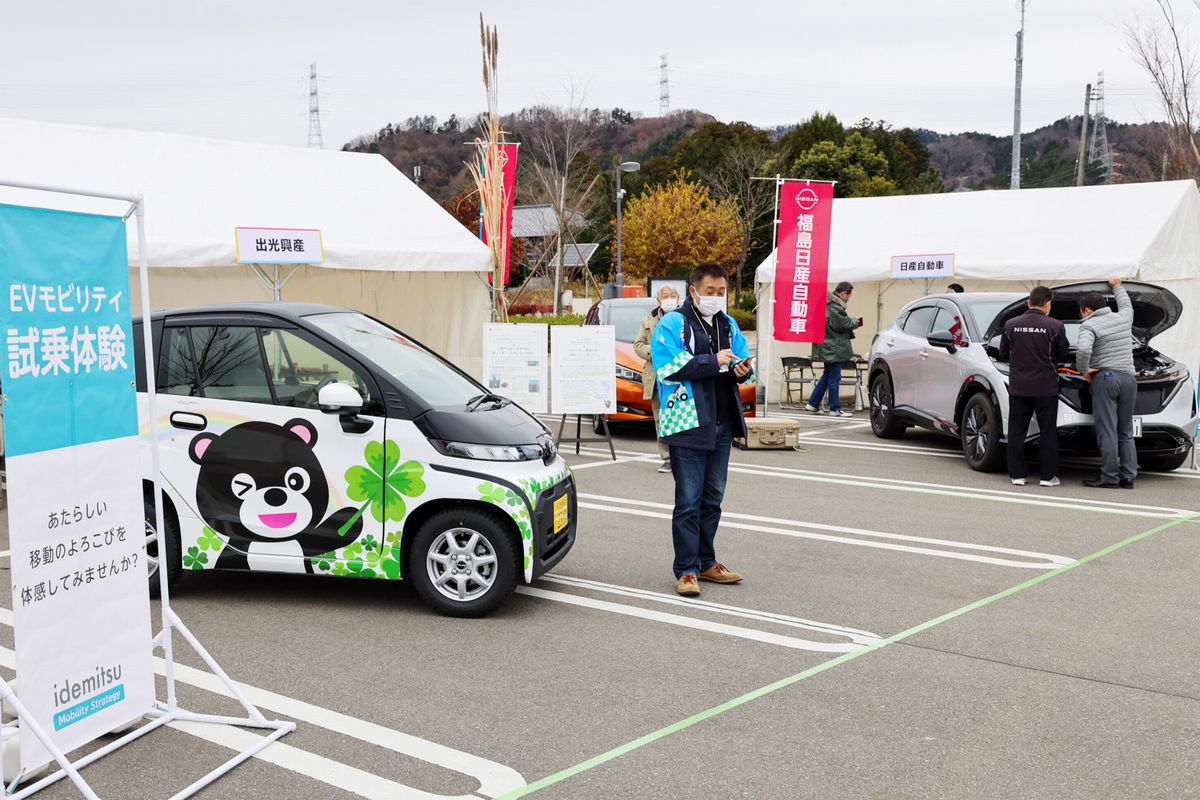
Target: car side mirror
[
  {"x": 943, "y": 339},
  {"x": 339, "y": 398}
]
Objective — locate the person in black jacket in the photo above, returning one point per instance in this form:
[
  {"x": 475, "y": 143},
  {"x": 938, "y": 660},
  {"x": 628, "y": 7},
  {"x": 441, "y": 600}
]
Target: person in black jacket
[{"x": 1034, "y": 344}]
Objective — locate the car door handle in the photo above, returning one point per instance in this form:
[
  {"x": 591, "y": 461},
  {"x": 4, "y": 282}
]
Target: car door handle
[
  {"x": 188, "y": 421},
  {"x": 924, "y": 354},
  {"x": 890, "y": 343}
]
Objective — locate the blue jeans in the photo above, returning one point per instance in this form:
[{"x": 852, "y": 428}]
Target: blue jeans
[
  {"x": 699, "y": 489},
  {"x": 831, "y": 381}
]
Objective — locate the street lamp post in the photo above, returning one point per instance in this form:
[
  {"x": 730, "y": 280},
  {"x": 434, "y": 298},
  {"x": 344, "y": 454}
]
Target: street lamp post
[{"x": 623, "y": 166}]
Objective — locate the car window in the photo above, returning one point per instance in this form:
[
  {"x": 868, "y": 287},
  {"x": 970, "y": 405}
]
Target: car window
[
  {"x": 230, "y": 363},
  {"x": 627, "y": 321},
  {"x": 919, "y": 320},
  {"x": 177, "y": 372},
  {"x": 299, "y": 368},
  {"x": 950, "y": 322},
  {"x": 425, "y": 374}
]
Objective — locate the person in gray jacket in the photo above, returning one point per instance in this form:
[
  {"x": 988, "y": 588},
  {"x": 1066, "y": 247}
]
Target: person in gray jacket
[{"x": 1104, "y": 355}]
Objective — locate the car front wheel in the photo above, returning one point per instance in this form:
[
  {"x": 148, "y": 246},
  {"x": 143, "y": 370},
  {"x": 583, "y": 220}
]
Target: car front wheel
[
  {"x": 981, "y": 435},
  {"x": 463, "y": 562},
  {"x": 884, "y": 422}
]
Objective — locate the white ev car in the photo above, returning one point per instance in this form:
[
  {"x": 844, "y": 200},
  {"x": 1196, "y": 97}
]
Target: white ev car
[
  {"x": 936, "y": 365},
  {"x": 316, "y": 440}
]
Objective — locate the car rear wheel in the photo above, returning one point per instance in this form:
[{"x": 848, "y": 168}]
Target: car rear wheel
[
  {"x": 884, "y": 422},
  {"x": 160, "y": 549},
  {"x": 463, "y": 562},
  {"x": 980, "y": 431}
]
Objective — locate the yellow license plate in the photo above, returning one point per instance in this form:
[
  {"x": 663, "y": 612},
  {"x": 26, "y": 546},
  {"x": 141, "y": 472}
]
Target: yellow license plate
[{"x": 562, "y": 512}]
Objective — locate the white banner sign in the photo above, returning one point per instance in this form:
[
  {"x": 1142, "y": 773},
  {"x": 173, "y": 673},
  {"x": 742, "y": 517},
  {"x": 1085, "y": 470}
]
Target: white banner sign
[
  {"x": 583, "y": 369},
  {"x": 81, "y": 605},
  {"x": 279, "y": 246},
  {"x": 935, "y": 265},
  {"x": 515, "y": 363}
]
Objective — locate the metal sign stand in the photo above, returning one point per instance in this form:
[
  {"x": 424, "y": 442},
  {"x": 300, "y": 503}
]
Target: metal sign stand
[
  {"x": 168, "y": 712},
  {"x": 580, "y": 438}
]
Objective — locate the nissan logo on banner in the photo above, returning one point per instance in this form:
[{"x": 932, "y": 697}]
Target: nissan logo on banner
[{"x": 807, "y": 199}]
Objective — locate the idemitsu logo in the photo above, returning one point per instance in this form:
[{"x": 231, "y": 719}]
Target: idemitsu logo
[{"x": 96, "y": 690}]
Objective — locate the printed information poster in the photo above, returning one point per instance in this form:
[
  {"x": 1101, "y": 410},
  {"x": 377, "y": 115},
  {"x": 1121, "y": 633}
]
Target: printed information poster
[
  {"x": 81, "y": 605},
  {"x": 583, "y": 366},
  {"x": 515, "y": 363}
]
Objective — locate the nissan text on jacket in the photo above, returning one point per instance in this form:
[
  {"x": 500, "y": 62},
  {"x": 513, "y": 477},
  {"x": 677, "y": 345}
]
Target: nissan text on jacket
[
  {"x": 1034, "y": 345},
  {"x": 686, "y": 364}
]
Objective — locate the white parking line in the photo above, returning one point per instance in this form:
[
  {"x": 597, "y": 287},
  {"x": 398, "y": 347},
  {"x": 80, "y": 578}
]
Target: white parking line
[
  {"x": 766, "y": 637},
  {"x": 940, "y": 548},
  {"x": 836, "y": 429},
  {"x": 1027, "y": 497},
  {"x": 1043, "y": 500},
  {"x": 854, "y": 634},
  {"x": 494, "y": 779}
]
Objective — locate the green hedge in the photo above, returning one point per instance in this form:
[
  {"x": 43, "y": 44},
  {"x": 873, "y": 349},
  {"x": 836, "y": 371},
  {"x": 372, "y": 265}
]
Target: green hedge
[
  {"x": 561, "y": 319},
  {"x": 745, "y": 319}
]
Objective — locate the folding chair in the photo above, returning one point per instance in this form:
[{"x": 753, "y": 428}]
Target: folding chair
[{"x": 797, "y": 371}]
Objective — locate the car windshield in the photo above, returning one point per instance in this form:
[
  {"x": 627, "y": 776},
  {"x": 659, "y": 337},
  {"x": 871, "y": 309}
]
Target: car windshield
[
  {"x": 426, "y": 375},
  {"x": 627, "y": 320},
  {"x": 984, "y": 313}
]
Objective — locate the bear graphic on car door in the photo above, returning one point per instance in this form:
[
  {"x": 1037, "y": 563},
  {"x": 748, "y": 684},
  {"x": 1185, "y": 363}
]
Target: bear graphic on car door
[{"x": 261, "y": 487}]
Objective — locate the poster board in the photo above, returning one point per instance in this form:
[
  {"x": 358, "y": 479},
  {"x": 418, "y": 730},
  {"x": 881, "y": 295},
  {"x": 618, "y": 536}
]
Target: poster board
[
  {"x": 81, "y": 606},
  {"x": 583, "y": 371},
  {"x": 516, "y": 364}
]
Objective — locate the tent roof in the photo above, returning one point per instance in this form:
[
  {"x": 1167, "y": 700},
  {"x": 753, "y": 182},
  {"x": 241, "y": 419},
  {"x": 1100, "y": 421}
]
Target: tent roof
[
  {"x": 197, "y": 191},
  {"x": 1150, "y": 229}
]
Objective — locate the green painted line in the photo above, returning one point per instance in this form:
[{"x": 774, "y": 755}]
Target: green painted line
[{"x": 783, "y": 683}]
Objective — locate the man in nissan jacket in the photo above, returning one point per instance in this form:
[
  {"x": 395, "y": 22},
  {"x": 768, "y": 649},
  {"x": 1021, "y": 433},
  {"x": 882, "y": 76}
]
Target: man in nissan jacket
[
  {"x": 1034, "y": 344},
  {"x": 700, "y": 356}
]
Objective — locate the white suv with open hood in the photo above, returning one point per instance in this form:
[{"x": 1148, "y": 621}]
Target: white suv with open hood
[{"x": 936, "y": 365}]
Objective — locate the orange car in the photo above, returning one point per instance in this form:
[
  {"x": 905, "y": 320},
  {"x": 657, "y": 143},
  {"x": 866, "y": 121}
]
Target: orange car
[{"x": 626, "y": 315}]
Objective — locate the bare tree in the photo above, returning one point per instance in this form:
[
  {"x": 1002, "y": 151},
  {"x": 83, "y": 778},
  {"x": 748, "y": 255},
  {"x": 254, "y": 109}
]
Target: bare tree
[
  {"x": 732, "y": 178},
  {"x": 560, "y": 138},
  {"x": 1160, "y": 49}
]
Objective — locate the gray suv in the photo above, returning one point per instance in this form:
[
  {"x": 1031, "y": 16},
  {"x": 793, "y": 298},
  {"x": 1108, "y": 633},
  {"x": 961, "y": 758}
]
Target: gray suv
[{"x": 937, "y": 366}]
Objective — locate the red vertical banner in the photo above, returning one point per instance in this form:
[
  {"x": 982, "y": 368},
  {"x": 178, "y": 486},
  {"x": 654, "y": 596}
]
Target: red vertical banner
[
  {"x": 508, "y": 189},
  {"x": 802, "y": 260}
]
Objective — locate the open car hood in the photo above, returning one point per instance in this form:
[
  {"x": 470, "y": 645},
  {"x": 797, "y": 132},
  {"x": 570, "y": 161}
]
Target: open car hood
[{"x": 1154, "y": 308}]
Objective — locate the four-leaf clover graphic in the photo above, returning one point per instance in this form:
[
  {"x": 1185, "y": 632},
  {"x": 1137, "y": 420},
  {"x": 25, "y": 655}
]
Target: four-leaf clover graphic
[
  {"x": 195, "y": 559},
  {"x": 324, "y": 561},
  {"x": 383, "y": 483}
]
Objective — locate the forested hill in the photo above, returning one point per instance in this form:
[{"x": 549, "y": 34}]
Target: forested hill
[{"x": 961, "y": 160}]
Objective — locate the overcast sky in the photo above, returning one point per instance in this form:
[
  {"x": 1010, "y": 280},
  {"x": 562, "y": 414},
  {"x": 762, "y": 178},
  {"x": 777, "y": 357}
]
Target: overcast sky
[{"x": 239, "y": 70}]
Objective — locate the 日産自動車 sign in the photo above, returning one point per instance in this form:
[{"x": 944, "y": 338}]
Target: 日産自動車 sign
[
  {"x": 933, "y": 265},
  {"x": 81, "y": 606}
]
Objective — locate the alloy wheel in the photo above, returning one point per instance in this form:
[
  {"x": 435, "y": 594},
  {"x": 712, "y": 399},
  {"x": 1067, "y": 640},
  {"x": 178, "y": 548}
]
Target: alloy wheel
[{"x": 461, "y": 564}]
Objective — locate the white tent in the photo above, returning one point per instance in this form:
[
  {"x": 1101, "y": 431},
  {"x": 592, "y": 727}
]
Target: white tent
[
  {"x": 1010, "y": 240},
  {"x": 389, "y": 249}
]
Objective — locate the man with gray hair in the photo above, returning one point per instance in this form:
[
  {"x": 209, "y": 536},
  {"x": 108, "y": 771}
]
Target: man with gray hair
[{"x": 1104, "y": 355}]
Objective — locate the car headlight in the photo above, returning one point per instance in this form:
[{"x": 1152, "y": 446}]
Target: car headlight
[
  {"x": 625, "y": 373},
  {"x": 494, "y": 452}
]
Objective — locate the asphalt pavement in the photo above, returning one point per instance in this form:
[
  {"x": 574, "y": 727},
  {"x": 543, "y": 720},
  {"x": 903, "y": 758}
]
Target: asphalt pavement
[{"x": 907, "y": 628}]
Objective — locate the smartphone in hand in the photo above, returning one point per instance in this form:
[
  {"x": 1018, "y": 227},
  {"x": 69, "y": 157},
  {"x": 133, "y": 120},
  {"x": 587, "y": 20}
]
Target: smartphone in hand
[{"x": 860, "y": 322}]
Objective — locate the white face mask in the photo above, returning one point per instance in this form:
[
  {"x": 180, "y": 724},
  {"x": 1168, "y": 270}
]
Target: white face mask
[
  {"x": 668, "y": 304},
  {"x": 709, "y": 305}
]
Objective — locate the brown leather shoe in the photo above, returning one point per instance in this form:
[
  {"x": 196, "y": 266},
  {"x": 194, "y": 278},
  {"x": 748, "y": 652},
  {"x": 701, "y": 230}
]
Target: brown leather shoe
[
  {"x": 719, "y": 573},
  {"x": 687, "y": 586}
]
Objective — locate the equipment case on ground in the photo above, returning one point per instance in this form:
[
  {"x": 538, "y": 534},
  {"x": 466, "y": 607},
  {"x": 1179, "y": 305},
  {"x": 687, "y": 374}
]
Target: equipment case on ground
[{"x": 770, "y": 434}]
